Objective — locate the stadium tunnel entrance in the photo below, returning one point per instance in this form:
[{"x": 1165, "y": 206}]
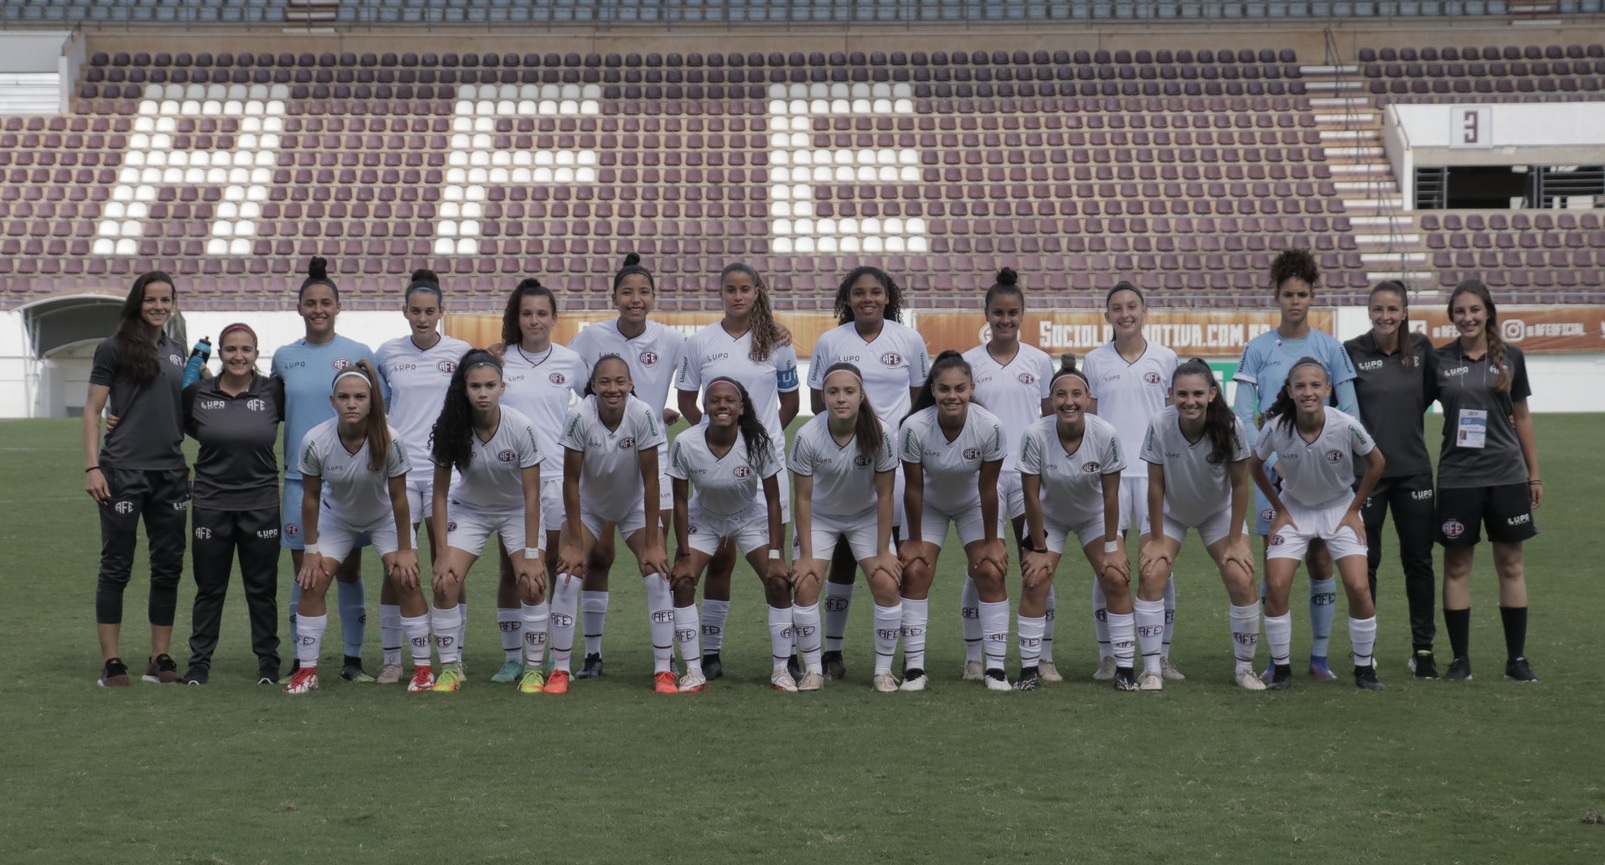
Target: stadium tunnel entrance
[{"x": 61, "y": 335}]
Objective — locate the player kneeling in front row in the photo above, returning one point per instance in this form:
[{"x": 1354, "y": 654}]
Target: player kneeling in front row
[
  {"x": 356, "y": 459},
  {"x": 1315, "y": 446}
]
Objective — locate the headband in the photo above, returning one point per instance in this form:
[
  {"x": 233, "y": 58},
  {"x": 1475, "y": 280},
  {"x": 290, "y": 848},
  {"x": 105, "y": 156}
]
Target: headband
[
  {"x": 237, "y": 326},
  {"x": 478, "y": 363},
  {"x": 349, "y": 372},
  {"x": 424, "y": 286},
  {"x": 856, "y": 376}
]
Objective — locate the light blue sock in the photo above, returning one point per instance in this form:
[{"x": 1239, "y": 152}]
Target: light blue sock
[
  {"x": 1323, "y": 609},
  {"x": 295, "y": 607},
  {"x": 354, "y": 617}
]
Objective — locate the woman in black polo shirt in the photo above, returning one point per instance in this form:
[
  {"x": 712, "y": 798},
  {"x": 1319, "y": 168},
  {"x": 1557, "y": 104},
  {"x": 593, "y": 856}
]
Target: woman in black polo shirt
[
  {"x": 1396, "y": 372},
  {"x": 138, "y": 472},
  {"x": 235, "y": 417},
  {"x": 1487, "y": 474}
]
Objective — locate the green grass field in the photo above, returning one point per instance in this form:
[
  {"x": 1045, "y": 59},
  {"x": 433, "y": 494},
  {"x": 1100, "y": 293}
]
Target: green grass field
[{"x": 1431, "y": 772}]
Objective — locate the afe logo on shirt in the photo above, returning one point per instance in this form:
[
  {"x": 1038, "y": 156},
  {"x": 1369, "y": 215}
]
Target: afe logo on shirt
[
  {"x": 507, "y": 456},
  {"x": 649, "y": 358},
  {"x": 1027, "y": 378},
  {"x": 861, "y": 461},
  {"x": 1268, "y": 514},
  {"x": 742, "y": 471},
  {"x": 256, "y": 404},
  {"x": 557, "y": 379},
  {"x": 292, "y": 529},
  {"x": 175, "y": 360},
  {"x": 1152, "y": 378},
  {"x": 1453, "y": 529},
  {"x": 626, "y": 443},
  {"x": 1091, "y": 468},
  {"x": 340, "y": 363},
  {"x": 1334, "y": 456},
  {"x": 447, "y": 366},
  {"x": 972, "y": 453},
  {"x": 891, "y": 358}
]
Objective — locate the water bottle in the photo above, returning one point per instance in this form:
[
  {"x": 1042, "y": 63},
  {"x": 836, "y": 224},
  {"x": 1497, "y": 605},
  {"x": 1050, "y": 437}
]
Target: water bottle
[{"x": 197, "y": 361}]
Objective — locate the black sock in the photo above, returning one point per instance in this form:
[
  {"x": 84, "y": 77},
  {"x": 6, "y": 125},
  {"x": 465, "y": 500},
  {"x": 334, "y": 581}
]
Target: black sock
[
  {"x": 1458, "y": 624},
  {"x": 1515, "y": 619}
]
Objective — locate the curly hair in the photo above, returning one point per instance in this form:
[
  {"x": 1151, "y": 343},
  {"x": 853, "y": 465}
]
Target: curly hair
[{"x": 894, "y": 295}]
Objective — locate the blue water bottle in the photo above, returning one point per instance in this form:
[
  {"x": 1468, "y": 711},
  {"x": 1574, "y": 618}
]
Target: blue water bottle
[{"x": 197, "y": 361}]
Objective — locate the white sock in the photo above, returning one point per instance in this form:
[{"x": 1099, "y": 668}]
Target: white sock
[
  {"x": 1100, "y": 620},
  {"x": 595, "y": 606},
  {"x": 688, "y": 636},
  {"x": 565, "y": 594},
  {"x": 838, "y": 601},
  {"x": 916, "y": 615},
  {"x": 309, "y": 638},
  {"x": 970, "y": 620},
  {"x": 805, "y": 625},
  {"x": 447, "y": 621},
  {"x": 1245, "y": 635},
  {"x": 1150, "y": 621},
  {"x": 714, "y": 614},
  {"x": 1123, "y": 638},
  {"x": 660, "y": 616},
  {"x": 1031, "y": 628},
  {"x": 1323, "y": 610},
  {"x": 462, "y": 630},
  {"x": 390, "y": 633},
  {"x": 416, "y": 629},
  {"x": 1048, "y": 617},
  {"x": 537, "y": 618},
  {"x": 888, "y": 628},
  {"x": 995, "y": 631},
  {"x": 511, "y": 623},
  {"x": 1363, "y": 638},
  {"x": 1279, "y": 633},
  {"x": 780, "y": 634},
  {"x": 1170, "y": 614}
]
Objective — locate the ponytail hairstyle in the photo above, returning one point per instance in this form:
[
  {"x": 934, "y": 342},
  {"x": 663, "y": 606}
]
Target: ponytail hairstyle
[
  {"x": 632, "y": 264},
  {"x": 1294, "y": 264},
  {"x": 375, "y": 429},
  {"x": 1218, "y": 417},
  {"x": 747, "y": 423},
  {"x": 424, "y": 279},
  {"x": 1407, "y": 355},
  {"x": 1067, "y": 366},
  {"x": 867, "y": 427},
  {"x": 1490, "y": 330},
  {"x": 1283, "y": 410},
  {"x": 590, "y": 390},
  {"x": 894, "y": 295},
  {"x": 948, "y": 359},
  {"x": 1007, "y": 282},
  {"x": 136, "y": 352},
  {"x": 451, "y": 440},
  {"x": 317, "y": 274},
  {"x": 765, "y": 335},
  {"x": 512, "y": 334}
]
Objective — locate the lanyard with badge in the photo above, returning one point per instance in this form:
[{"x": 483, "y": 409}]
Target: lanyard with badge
[{"x": 1471, "y": 424}]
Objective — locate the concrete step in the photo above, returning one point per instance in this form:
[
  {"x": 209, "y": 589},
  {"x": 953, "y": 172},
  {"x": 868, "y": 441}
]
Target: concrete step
[
  {"x": 1355, "y": 152},
  {"x": 1350, "y": 135},
  {"x": 1386, "y": 239},
  {"x": 1383, "y": 223},
  {"x": 1394, "y": 258},
  {"x": 1358, "y": 170},
  {"x": 1334, "y": 86},
  {"x": 1316, "y": 71},
  {"x": 1340, "y": 102},
  {"x": 1386, "y": 203},
  {"x": 1364, "y": 186},
  {"x": 1351, "y": 118}
]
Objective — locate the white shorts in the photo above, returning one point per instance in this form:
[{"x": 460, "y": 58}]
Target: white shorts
[
  {"x": 749, "y": 531},
  {"x": 934, "y": 522},
  {"x": 420, "y": 495},
  {"x": 1057, "y": 533},
  {"x": 826, "y": 531},
  {"x": 552, "y": 503},
  {"x": 1315, "y": 523},
  {"x": 1214, "y": 527},
  {"x": 1134, "y": 505},
  {"x": 337, "y": 538},
  {"x": 631, "y": 522},
  {"x": 468, "y": 529},
  {"x": 1011, "y": 495}
]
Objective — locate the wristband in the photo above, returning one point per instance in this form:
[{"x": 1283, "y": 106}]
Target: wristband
[
  {"x": 532, "y": 552},
  {"x": 311, "y": 549},
  {"x": 1043, "y": 550},
  {"x": 1529, "y": 483},
  {"x": 1111, "y": 546},
  {"x": 91, "y": 469},
  {"x": 774, "y": 555}
]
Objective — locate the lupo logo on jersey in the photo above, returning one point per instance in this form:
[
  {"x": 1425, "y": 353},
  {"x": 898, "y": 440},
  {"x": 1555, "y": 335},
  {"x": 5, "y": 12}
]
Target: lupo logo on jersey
[
  {"x": 1152, "y": 377},
  {"x": 557, "y": 379},
  {"x": 447, "y": 366},
  {"x": 972, "y": 453},
  {"x": 626, "y": 443},
  {"x": 891, "y": 358},
  {"x": 507, "y": 456},
  {"x": 1334, "y": 456},
  {"x": 1453, "y": 529}
]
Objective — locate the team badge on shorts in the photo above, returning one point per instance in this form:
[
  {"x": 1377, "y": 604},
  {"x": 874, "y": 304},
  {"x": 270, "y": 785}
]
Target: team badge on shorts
[
  {"x": 1453, "y": 529},
  {"x": 292, "y": 529},
  {"x": 1277, "y": 540},
  {"x": 451, "y": 526},
  {"x": 1268, "y": 514}
]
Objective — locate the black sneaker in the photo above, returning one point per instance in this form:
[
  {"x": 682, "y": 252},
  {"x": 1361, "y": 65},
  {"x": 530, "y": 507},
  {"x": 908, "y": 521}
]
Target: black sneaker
[
  {"x": 162, "y": 670},
  {"x": 114, "y": 674},
  {"x": 794, "y": 667},
  {"x": 1366, "y": 677},
  {"x": 834, "y": 668},
  {"x": 267, "y": 674},
  {"x": 196, "y": 676},
  {"x": 1030, "y": 679},
  {"x": 1423, "y": 665},
  {"x": 591, "y": 668},
  {"x": 1125, "y": 679},
  {"x": 1281, "y": 678},
  {"x": 1459, "y": 670},
  {"x": 712, "y": 667},
  {"x": 352, "y": 671},
  {"x": 1519, "y": 670}
]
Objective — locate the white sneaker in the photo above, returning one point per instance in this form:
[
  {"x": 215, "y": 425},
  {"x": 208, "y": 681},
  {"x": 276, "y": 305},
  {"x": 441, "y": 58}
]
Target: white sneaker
[
  {"x": 692, "y": 682},
  {"x": 973, "y": 671},
  {"x": 915, "y": 683},
  {"x": 781, "y": 680},
  {"x": 997, "y": 681},
  {"x": 390, "y": 674},
  {"x": 811, "y": 682},
  {"x": 885, "y": 683},
  {"x": 1169, "y": 671},
  {"x": 1047, "y": 672},
  {"x": 1248, "y": 681},
  {"x": 1150, "y": 680},
  {"x": 1106, "y": 670}
]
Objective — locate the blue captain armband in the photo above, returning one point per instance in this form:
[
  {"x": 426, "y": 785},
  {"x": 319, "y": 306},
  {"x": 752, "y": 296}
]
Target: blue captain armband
[{"x": 786, "y": 379}]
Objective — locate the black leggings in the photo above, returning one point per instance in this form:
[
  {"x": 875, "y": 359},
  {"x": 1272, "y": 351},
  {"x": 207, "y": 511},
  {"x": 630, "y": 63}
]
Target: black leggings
[
  {"x": 254, "y": 537},
  {"x": 1411, "y": 500},
  {"x": 159, "y": 497}
]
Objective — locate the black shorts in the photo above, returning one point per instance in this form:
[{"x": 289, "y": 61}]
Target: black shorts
[{"x": 1506, "y": 510}]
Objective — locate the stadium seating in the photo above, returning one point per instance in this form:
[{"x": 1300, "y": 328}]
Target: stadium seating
[
  {"x": 1550, "y": 257},
  {"x": 1549, "y": 73}
]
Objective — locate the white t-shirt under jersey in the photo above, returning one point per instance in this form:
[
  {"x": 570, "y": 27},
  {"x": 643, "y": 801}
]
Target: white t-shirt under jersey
[
  {"x": 653, "y": 357},
  {"x": 610, "y": 480},
  {"x": 952, "y": 467},
  {"x": 494, "y": 481},
  {"x": 1321, "y": 473},
  {"x": 1072, "y": 483},
  {"x": 1013, "y": 391},
  {"x": 359, "y": 496},
  {"x": 713, "y": 353},
  {"x": 418, "y": 379},
  {"x": 892, "y": 363},
  {"x": 541, "y": 386},
  {"x": 1195, "y": 488},
  {"x": 726, "y": 486},
  {"x": 844, "y": 481},
  {"x": 1129, "y": 394}
]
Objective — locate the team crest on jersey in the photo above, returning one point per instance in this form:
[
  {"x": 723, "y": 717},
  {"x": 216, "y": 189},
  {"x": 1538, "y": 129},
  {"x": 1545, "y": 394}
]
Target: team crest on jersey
[
  {"x": 891, "y": 358},
  {"x": 861, "y": 461},
  {"x": 507, "y": 456},
  {"x": 1453, "y": 529},
  {"x": 557, "y": 379},
  {"x": 341, "y": 363},
  {"x": 626, "y": 443},
  {"x": 972, "y": 453},
  {"x": 256, "y": 404},
  {"x": 1091, "y": 468},
  {"x": 649, "y": 358},
  {"x": 1027, "y": 378},
  {"x": 1268, "y": 514},
  {"x": 1152, "y": 377},
  {"x": 292, "y": 529},
  {"x": 175, "y": 360},
  {"x": 742, "y": 471},
  {"x": 1334, "y": 456},
  {"x": 447, "y": 366}
]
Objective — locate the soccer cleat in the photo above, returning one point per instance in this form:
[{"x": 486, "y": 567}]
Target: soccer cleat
[
  {"x": 1125, "y": 680},
  {"x": 1030, "y": 678},
  {"x": 834, "y": 668},
  {"x": 591, "y": 668},
  {"x": 114, "y": 674},
  {"x": 1151, "y": 680},
  {"x": 450, "y": 679},
  {"x": 781, "y": 680},
  {"x": 712, "y": 667},
  {"x": 1248, "y": 681},
  {"x": 914, "y": 680},
  {"x": 811, "y": 682},
  {"x": 885, "y": 683},
  {"x": 423, "y": 679},
  {"x": 305, "y": 681},
  {"x": 1459, "y": 670},
  {"x": 693, "y": 682},
  {"x": 557, "y": 683},
  {"x": 511, "y": 669},
  {"x": 1422, "y": 664},
  {"x": 352, "y": 671},
  {"x": 973, "y": 671},
  {"x": 1320, "y": 671},
  {"x": 1521, "y": 671},
  {"x": 996, "y": 681},
  {"x": 1047, "y": 672},
  {"x": 532, "y": 682},
  {"x": 162, "y": 670},
  {"x": 1168, "y": 670},
  {"x": 389, "y": 674},
  {"x": 1106, "y": 670},
  {"x": 196, "y": 676},
  {"x": 1281, "y": 677},
  {"x": 665, "y": 682},
  {"x": 1366, "y": 677}
]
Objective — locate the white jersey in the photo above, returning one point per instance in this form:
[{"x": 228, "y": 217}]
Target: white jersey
[
  {"x": 1321, "y": 473},
  {"x": 1195, "y": 488},
  {"x": 361, "y": 497},
  {"x": 724, "y": 486},
  {"x": 1072, "y": 483},
  {"x": 713, "y": 353},
  {"x": 494, "y": 481},
  {"x": 1013, "y": 391},
  {"x": 417, "y": 379},
  {"x": 610, "y": 479},
  {"x": 844, "y": 480},
  {"x": 892, "y": 363},
  {"x": 541, "y": 386},
  {"x": 952, "y": 468},
  {"x": 653, "y": 357},
  {"x": 1129, "y": 394}
]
